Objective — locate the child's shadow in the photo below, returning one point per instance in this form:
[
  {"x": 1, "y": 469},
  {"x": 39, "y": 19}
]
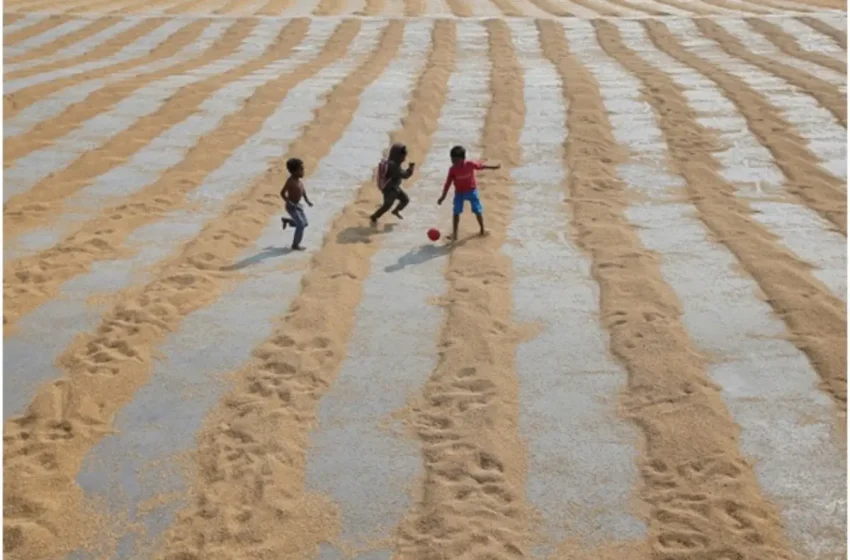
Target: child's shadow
[
  {"x": 361, "y": 234},
  {"x": 419, "y": 256},
  {"x": 267, "y": 253}
]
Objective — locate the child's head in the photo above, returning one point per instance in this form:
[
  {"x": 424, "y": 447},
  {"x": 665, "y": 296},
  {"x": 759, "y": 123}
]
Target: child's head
[
  {"x": 295, "y": 167},
  {"x": 398, "y": 152},
  {"x": 458, "y": 154}
]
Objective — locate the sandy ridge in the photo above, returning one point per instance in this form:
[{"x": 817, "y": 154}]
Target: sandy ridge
[
  {"x": 99, "y": 238},
  {"x": 329, "y": 7},
  {"x": 836, "y": 35},
  {"x": 23, "y": 98},
  {"x": 703, "y": 497},
  {"x": 274, "y": 7},
  {"x": 9, "y": 19},
  {"x": 140, "y": 133},
  {"x": 819, "y": 189},
  {"x": 788, "y": 45},
  {"x": 816, "y": 318},
  {"x": 40, "y": 204},
  {"x": 467, "y": 415},
  {"x": 278, "y": 393},
  {"x": 552, "y": 7},
  {"x": 413, "y": 8},
  {"x": 460, "y": 8},
  {"x": 104, "y": 50},
  {"x": 32, "y": 30},
  {"x": 824, "y": 92},
  {"x": 92, "y": 28},
  {"x": 107, "y": 368}
]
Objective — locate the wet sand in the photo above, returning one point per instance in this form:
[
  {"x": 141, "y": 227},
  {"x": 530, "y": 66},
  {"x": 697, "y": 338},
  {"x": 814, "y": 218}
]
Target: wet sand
[{"x": 644, "y": 358}]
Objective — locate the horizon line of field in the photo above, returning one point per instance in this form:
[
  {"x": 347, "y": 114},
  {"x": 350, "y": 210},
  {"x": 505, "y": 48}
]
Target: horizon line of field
[
  {"x": 499, "y": 8},
  {"x": 96, "y": 16}
]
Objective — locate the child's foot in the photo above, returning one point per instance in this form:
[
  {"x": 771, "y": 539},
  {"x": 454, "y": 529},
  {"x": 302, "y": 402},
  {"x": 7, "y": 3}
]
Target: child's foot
[
  {"x": 373, "y": 221},
  {"x": 285, "y": 223},
  {"x": 483, "y": 233},
  {"x": 299, "y": 248},
  {"x": 397, "y": 214}
]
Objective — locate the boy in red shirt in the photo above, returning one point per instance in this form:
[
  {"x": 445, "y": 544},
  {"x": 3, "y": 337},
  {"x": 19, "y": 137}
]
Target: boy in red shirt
[{"x": 462, "y": 174}]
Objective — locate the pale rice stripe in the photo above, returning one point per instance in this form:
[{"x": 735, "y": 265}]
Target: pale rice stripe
[
  {"x": 825, "y": 137},
  {"x": 169, "y": 148},
  {"x": 768, "y": 384},
  {"x": 59, "y": 101}
]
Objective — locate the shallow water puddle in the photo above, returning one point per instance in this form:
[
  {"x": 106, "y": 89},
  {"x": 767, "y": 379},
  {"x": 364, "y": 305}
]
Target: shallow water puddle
[
  {"x": 355, "y": 457},
  {"x": 25, "y": 350},
  {"x": 170, "y": 147},
  {"x": 56, "y": 103},
  {"x": 187, "y": 383},
  {"x": 750, "y": 167},
  {"x": 769, "y": 386},
  {"x": 582, "y": 456}
]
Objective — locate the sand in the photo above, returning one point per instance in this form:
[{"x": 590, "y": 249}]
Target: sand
[{"x": 644, "y": 358}]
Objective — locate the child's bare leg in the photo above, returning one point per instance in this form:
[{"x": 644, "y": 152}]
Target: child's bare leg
[
  {"x": 455, "y": 224},
  {"x": 480, "y": 218}
]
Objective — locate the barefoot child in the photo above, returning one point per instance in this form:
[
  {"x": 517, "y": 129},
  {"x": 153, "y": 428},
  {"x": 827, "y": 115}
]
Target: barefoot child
[
  {"x": 462, "y": 174},
  {"x": 390, "y": 182},
  {"x": 291, "y": 194}
]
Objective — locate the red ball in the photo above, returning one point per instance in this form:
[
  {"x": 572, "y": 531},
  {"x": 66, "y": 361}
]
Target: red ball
[{"x": 433, "y": 234}]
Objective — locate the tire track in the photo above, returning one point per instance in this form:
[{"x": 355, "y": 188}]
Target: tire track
[
  {"x": 44, "y": 200},
  {"x": 816, "y": 318},
  {"x": 16, "y": 102},
  {"x": 820, "y": 26},
  {"x": 472, "y": 501},
  {"x": 105, "y": 369},
  {"x": 824, "y": 92},
  {"x": 703, "y": 496},
  {"x": 788, "y": 44},
  {"x": 70, "y": 49},
  {"x": 819, "y": 189},
  {"x": 103, "y": 51},
  {"x": 39, "y": 277},
  {"x": 255, "y": 403}
]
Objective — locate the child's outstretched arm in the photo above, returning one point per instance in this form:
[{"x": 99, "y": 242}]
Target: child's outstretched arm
[
  {"x": 449, "y": 179},
  {"x": 481, "y": 165}
]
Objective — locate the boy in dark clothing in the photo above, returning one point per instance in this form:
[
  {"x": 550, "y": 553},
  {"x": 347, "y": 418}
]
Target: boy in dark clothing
[
  {"x": 391, "y": 188},
  {"x": 292, "y": 192}
]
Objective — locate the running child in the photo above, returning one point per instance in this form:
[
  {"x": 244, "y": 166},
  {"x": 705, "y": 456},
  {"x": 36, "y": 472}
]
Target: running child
[
  {"x": 292, "y": 192},
  {"x": 390, "y": 176},
  {"x": 462, "y": 174}
]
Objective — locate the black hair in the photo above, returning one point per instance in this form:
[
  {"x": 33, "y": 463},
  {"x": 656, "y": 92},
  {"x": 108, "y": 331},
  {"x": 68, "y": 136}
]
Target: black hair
[
  {"x": 397, "y": 152},
  {"x": 458, "y": 152},
  {"x": 293, "y": 164}
]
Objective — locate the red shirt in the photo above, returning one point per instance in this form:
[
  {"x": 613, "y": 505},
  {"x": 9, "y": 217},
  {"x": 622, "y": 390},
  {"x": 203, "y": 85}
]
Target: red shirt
[{"x": 463, "y": 176}]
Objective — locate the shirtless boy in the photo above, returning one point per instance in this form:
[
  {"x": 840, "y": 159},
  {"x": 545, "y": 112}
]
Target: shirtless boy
[{"x": 292, "y": 192}]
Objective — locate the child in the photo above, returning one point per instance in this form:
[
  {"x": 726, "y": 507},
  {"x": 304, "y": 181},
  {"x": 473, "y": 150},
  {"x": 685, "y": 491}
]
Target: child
[
  {"x": 390, "y": 183},
  {"x": 291, "y": 194},
  {"x": 462, "y": 174}
]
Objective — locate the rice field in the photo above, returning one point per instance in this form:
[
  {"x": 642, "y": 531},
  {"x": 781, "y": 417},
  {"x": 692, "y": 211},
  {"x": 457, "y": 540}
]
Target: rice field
[{"x": 645, "y": 358}]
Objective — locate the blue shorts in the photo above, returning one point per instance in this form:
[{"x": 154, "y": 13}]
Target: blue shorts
[{"x": 472, "y": 197}]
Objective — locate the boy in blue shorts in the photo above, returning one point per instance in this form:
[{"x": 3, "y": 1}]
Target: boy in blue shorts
[{"x": 462, "y": 174}]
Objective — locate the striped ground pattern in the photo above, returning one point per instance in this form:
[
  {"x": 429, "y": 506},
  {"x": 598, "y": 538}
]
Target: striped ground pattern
[{"x": 645, "y": 358}]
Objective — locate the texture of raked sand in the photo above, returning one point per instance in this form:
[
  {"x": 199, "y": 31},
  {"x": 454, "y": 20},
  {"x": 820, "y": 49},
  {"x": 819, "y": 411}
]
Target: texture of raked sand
[{"x": 645, "y": 358}]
